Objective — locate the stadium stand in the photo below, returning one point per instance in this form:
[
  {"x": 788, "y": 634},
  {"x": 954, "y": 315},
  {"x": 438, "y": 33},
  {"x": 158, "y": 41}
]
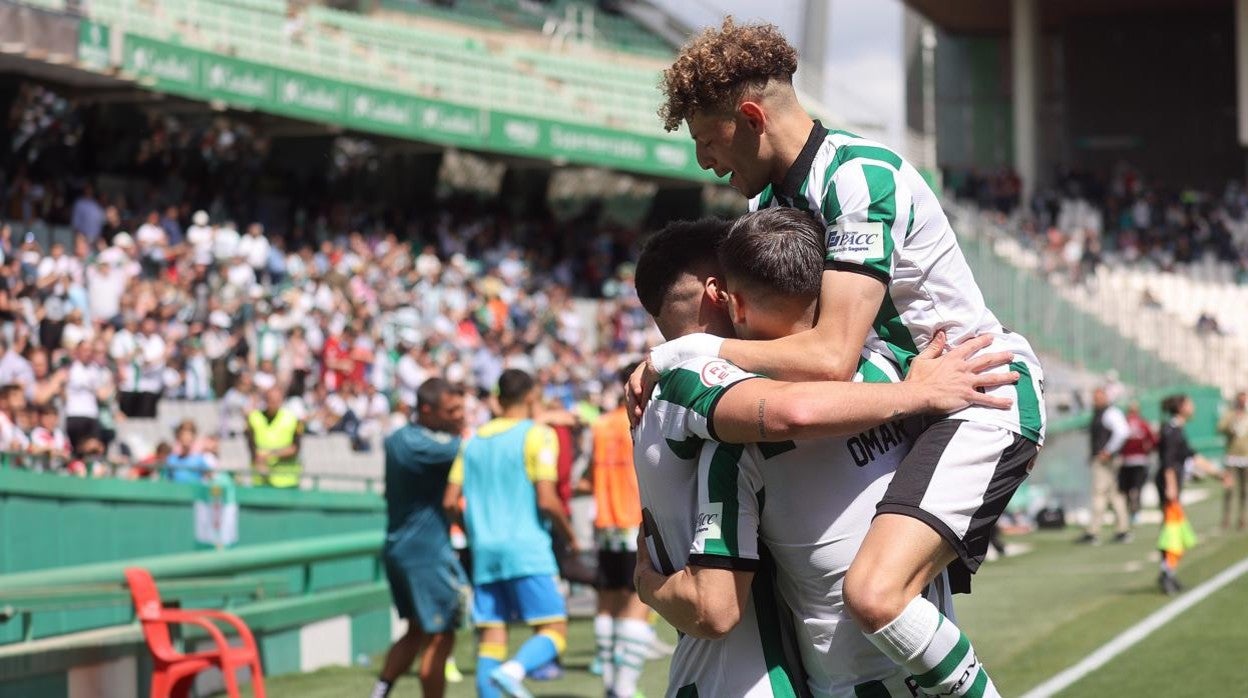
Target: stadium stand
[
  {"x": 1164, "y": 269},
  {"x": 598, "y": 25},
  {"x": 472, "y": 292},
  {"x": 443, "y": 61}
]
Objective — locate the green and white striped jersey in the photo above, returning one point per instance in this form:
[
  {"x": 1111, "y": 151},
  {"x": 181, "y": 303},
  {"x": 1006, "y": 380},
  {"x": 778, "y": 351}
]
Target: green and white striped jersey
[
  {"x": 750, "y": 660},
  {"x": 883, "y": 220},
  {"x": 810, "y": 503}
]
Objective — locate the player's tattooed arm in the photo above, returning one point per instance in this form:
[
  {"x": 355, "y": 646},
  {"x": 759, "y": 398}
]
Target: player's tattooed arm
[{"x": 761, "y": 409}]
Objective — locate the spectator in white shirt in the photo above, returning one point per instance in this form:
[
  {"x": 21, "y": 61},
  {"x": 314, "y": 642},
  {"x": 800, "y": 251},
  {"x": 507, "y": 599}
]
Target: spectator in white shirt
[
  {"x": 58, "y": 271},
  {"x": 152, "y": 355},
  {"x": 225, "y": 244},
  {"x": 105, "y": 285},
  {"x": 124, "y": 351},
  {"x": 410, "y": 374},
  {"x": 76, "y": 329},
  {"x": 121, "y": 255},
  {"x": 428, "y": 266},
  {"x": 254, "y": 248},
  {"x": 200, "y": 237},
  {"x": 15, "y": 369},
  {"x": 47, "y": 440},
  {"x": 373, "y": 408},
  {"x": 153, "y": 245},
  {"x": 197, "y": 381},
  {"x": 266, "y": 376},
  {"x": 240, "y": 275},
  {"x": 84, "y": 389}
]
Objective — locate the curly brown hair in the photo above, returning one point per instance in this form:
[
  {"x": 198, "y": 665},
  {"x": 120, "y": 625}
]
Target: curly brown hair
[{"x": 715, "y": 69}]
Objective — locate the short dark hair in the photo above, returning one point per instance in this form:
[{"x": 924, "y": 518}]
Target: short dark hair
[
  {"x": 514, "y": 386},
  {"x": 1171, "y": 404},
  {"x": 433, "y": 390},
  {"x": 777, "y": 250},
  {"x": 671, "y": 252}
]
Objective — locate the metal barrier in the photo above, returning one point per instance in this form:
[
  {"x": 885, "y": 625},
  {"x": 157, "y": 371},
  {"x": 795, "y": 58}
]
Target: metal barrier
[
  {"x": 242, "y": 559},
  {"x": 293, "y": 619},
  {"x": 194, "y": 575},
  {"x": 104, "y": 468}
]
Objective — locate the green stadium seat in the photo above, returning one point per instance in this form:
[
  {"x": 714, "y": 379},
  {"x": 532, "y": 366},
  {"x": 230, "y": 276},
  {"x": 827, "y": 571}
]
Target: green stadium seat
[
  {"x": 382, "y": 52},
  {"x": 53, "y": 5}
]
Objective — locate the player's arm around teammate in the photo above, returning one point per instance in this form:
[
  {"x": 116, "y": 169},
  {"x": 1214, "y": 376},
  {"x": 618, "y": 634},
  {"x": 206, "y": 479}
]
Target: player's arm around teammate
[
  {"x": 765, "y": 410},
  {"x": 703, "y": 602}
]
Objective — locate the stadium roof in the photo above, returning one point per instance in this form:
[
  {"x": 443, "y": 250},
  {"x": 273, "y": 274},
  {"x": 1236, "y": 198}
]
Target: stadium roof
[{"x": 993, "y": 16}]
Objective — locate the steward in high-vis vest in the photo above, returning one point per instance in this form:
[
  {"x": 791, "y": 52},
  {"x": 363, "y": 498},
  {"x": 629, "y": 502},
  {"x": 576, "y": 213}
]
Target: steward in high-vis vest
[{"x": 273, "y": 436}]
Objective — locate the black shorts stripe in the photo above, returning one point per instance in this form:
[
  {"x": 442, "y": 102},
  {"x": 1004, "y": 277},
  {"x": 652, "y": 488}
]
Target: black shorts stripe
[
  {"x": 914, "y": 473},
  {"x": 615, "y": 570},
  {"x": 720, "y": 562},
  {"x": 910, "y": 485},
  {"x": 1013, "y": 467},
  {"x": 660, "y": 551}
]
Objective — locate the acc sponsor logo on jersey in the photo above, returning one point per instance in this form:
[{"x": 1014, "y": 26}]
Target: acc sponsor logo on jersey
[
  {"x": 855, "y": 242},
  {"x": 718, "y": 372},
  {"x": 707, "y": 525}
]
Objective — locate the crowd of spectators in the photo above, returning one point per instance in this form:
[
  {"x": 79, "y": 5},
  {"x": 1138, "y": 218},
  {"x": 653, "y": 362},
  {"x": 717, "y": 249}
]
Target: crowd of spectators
[
  {"x": 202, "y": 268},
  {"x": 106, "y": 327},
  {"x": 1085, "y": 220}
]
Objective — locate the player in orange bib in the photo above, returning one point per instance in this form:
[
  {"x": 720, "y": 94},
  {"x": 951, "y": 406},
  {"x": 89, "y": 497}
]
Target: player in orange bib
[{"x": 622, "y": 634}]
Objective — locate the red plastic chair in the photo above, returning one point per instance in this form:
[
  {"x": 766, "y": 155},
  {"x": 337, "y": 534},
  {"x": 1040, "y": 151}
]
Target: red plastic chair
[{"x": 174, "y": 671}]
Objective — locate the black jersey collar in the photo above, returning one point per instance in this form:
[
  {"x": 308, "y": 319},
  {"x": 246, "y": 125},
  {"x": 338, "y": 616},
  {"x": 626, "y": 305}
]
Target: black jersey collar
[{"x": 791, "y": 188}]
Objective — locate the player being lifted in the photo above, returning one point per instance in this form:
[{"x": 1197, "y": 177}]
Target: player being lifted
[{"x": 894, "y": 276}]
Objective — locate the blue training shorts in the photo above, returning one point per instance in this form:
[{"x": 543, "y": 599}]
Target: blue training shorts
[
  {"x": 533, "y": 600},
  {"x": 428, "y": 592}
]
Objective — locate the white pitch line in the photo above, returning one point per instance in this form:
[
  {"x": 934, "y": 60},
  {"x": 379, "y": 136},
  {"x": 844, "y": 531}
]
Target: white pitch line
[{"x": 1137, "y": 632}]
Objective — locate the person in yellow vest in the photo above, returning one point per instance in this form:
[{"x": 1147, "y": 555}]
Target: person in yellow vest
[{"x": 273, "y": 436}]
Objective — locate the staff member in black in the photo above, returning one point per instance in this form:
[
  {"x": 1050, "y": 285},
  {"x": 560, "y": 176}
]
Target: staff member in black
[{"x": 1174, "y": 452}]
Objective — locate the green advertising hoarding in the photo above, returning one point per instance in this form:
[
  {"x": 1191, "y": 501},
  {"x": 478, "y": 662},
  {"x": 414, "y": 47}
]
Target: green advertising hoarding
[
  {"x": 306, "y": 97},
  {"x": 190, "y": 72},
  {"x": 589, "y": 145},
  {"x": 94, "y": 42},
  {"x": 408, "y": 116},
  {"x": 238, "y": 82},
  {"x": 163, "y": 66}
]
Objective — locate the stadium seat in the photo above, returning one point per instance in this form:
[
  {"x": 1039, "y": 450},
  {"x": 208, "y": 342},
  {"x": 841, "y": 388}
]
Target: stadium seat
[{"x": 173, "y": 671}]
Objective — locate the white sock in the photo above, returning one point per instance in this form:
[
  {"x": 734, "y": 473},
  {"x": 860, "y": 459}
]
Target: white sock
[
  {"x": 935, "y": 651},
  {"x": 513, "y": 669},
  {"x": 604, "y": 644},
  {"x": 632, "y": 640},
  {"x": 381, "y": 689}
]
